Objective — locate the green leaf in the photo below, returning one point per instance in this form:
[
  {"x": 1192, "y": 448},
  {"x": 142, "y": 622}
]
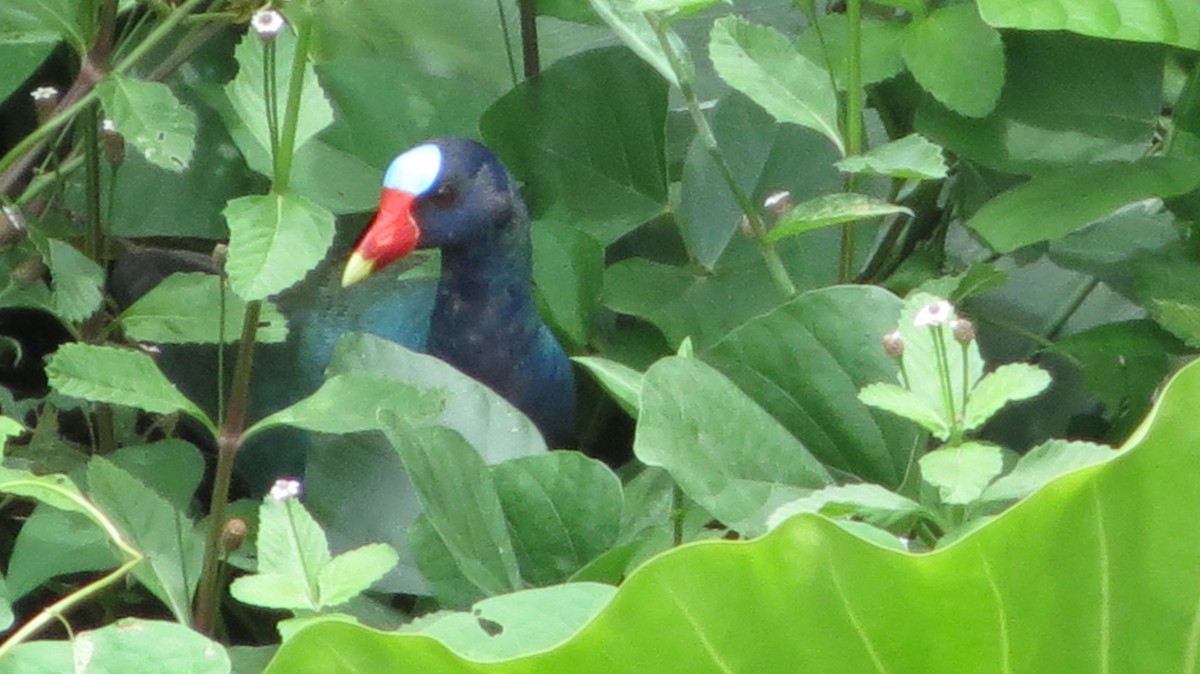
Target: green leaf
[
  {"x": 126, "y": 645},
  {"x": 1005, "y": 384},
  {"x": 1054, "y": 204},
  {"x": 351, "y": 402},
  {"x": 274, "y": 240},
  {"x": 461, "y": 504},
  {"x": 726, "y": 452},
  {"x": 118, "y": 376},
  {"x": 33, "y": 21},
  {"x": 292, "y": 551},
  {"x": 831, "y": 209},
  {"x": 958, "y": 58},
  {"x": 77, "y": 281},
  {"x": 246, "y": 95},
  {"x": 904, "y": 403},
  {"x": 912, "y": 157},
  {"x": 871, "y": 502},
  {"x": 1179, "y": 318},
  {"x": 805, "y": 361},
  {"x": 568, "y": 271},
  {"x": 522, "y": 622},
  {"x": 632, "y": 27},
  {"x": 563, "y": 511},
  {"x": 1044, "y": 463},
  {"x": 151, "y": 119},
  {"x": 181, "y": 310},
  {"x": 20, "y": 60},
  {"x": 762, "y": 63},
  {"x": 352, "y": 572},
  {"x": 673, "y": 5},
  {"x": 605, "y": 174},
  {"x": 961, "y": 473},
  {"x": 623, "y": 383},
  {"x": 881, "y": 46},
  {"x": 171, "y": 542},
  {"x": 9, "y": 428},
  {"x": 1173, "y": 22}
]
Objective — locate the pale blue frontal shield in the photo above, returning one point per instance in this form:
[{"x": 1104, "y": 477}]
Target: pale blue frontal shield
[{"x": 415, "y": 171}]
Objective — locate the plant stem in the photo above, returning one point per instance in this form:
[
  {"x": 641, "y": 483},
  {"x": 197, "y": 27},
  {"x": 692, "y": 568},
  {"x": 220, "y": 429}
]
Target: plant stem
[
  {"x": 291, "y": 113},
  {"x": 853, "y": 122},
  {"x": 508, "y": 46},
  {"x": 91, "y": 156},
  {"x": 775, "y": 267},
  {"x": 228, "y": 442},
  {"x": 529, "y": 37},
  {"x": 942, "y": 356}
]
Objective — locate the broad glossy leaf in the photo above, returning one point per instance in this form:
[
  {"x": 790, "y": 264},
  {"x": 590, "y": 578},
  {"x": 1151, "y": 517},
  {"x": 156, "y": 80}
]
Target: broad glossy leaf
[
  {"x": 20, "y": 60},
  {"x": 41, "y": 21},
  {"x": 962, "y": 472},
  {"x": 351, "y": 402},
  {"x": 881, "y": 47},
  {"x": 183, "y": 308},
  {"x": 128, "y": 645},
  {"x": 171, "y": 542},
  {"x": 623, "y": 383},
  {"x": 870, "y": 502},
  {"x": 118, "y": 376},
  {"x": 461, "y": 503},
  {"x": 568, "y": 272},
  {"x": 1066, "y": 100},
  {"x": 604, "y": 171},
  {"x": 763, "y": 64},
  {"x": 274, "y": 240},
  {"x": 151, "y": 119},
  {"x": 1055, "y": 204},
  {"x": 829, "y": 210},
  {"x": 991, "y": 602},
  {"x": 1173, "y": 22},
  {"x": 630, "y": 25},
  {"x": 805, "y": 363},
  {"x": 563, "y": 510},
  {"x": 958, "y": 58},
  {"x": 912, "y": 157},
  {"x": 726, "y": 452}
]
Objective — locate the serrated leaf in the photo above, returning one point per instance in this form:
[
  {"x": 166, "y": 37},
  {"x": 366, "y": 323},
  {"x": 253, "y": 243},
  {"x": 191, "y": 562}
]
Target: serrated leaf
[
  {"x": 353, "y": 572},
  {"x": 631, "y": 26},
  {"x": 828, "y": 43},
  {"x": 1044, "y": 463},
  {"x": 622, "y": 382},
  {"x": 245, "y": 91},
  {"x": 274, "y": 240},
  {"x": 1174, "y": 22},
  {"x": 183, "y": 309},
  {"x": 9, "y": 428},
  {"x": 284, "y": 591},
  {"x": 77, "y": 281},
  {"x": 1014, "y": 381},
  {"x": 961, "y": 473},
  {"x": 109, "y": 374},
  {"x": 958, "y": 58},
  {"x": 912, "y": 158},
  {"x": 1179, "y": 318},
  {"x": 831, "y": 209},
  {"x": 904, "y": 403},
  {"x": 151, "y": 119},
  {"x": 350, "y": 402},
  {"x": 762, "y": 63},
  {"x": 292, "y": 550}
]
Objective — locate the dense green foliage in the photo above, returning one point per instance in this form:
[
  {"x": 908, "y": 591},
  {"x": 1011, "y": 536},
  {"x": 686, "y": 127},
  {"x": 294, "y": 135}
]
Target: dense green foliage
[{"x": 881, "y": 286}]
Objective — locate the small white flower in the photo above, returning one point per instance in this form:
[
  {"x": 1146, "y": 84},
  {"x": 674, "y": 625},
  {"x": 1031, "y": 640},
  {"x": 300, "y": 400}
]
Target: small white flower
[
  {"x": 44, "y": 94},
  {"x": 267, "y": 23},
  {"x": 934, "y": 314},
  {"x": 779, "y": 202},
  {"x": 108, "y": 126},
  {"x": 286, "y": 488}
]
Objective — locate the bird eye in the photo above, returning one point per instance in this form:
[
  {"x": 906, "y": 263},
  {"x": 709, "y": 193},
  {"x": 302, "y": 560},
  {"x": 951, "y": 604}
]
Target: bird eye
[{"x": 443, "y": 196}]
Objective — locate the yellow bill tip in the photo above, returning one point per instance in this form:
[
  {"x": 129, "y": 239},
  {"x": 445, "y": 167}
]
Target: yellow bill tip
[{"x": 357, "y": 269}]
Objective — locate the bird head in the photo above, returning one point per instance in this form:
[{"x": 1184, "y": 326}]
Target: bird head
[{"x": 444, "y": 193}]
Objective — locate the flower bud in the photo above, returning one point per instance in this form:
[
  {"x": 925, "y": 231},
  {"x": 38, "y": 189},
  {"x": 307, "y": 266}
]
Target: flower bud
[
  {"x": 964, "y": 331},
  {"x": 112, "y": 142},
  {"x": 233, "y": 535},
  {"x": 45, "y": 102},
  {"x": 933, "y": 315},
  {"x": 893, "y": 344},
  {"x": 267, "y": 23}
]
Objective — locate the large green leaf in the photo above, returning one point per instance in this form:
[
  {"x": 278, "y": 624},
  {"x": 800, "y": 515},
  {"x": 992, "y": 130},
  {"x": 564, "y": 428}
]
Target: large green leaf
[
  {"x": 42, "y": 21},
  {"x": 587, "y": 139},
  {"x": 186, "y": 308},
  {"x": 274, "y": 240},
  {"x": 129, "y": 645},
  {"x": 149, "y": 116},
  {"x": 1174, "y": 22},
  {"x": 763, "y": 64},
  {"x": 958, "y": 58},
  {"x": 20, "y": 60},
  {"x": 1055, "y": 204},
  {"x": 994, "y": 601},
  {"x": 726, "y": 452},
  {"x": 805, "y": 363}
]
